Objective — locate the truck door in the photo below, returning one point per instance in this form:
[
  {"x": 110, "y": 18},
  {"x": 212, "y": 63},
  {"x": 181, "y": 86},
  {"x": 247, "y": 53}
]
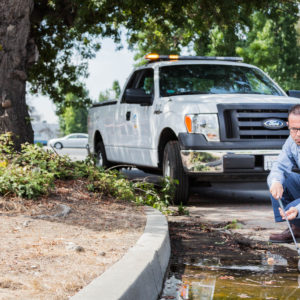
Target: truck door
[{"x": 133, "y": 130}]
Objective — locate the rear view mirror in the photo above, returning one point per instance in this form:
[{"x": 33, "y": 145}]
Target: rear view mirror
[
  {"x": 137, "y": 96},
  {"x": 293, "y": 93}
]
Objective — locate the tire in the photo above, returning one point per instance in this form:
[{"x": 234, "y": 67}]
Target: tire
[
  {"x": 58, "y": 145},
  {"x": 172, "y": 167},
  {"x": 101, "y": 160}
]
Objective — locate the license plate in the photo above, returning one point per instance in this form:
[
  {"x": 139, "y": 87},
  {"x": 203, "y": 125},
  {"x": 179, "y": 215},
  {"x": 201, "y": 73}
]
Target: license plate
[{"x": 269, "y": 160}]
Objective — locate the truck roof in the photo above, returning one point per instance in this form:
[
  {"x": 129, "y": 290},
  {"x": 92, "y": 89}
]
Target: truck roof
[
  {"x": 153, "y": 57},
  {"x": 195, "y": 62}
]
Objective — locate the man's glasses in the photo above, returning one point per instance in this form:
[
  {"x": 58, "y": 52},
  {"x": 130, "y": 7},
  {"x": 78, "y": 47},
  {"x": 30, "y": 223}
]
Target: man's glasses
[{"x": 294, "y": 130}]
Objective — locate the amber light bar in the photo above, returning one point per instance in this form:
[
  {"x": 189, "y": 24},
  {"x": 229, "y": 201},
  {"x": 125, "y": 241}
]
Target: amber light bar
[{"x": 157, "y": 57}]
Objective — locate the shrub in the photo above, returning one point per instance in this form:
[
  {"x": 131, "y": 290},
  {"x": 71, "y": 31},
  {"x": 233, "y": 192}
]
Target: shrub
[{"x": 31, "y": 173}]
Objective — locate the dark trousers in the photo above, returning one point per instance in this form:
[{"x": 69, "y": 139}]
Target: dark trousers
[{"x": 290, "y": 197}]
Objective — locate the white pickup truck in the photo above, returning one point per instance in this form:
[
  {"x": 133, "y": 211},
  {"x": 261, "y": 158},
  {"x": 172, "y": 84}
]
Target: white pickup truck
[{"x": 194, "y": 119}]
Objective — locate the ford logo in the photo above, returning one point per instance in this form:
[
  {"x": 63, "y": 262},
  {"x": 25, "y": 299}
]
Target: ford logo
[{"x": 274, "y": 124}]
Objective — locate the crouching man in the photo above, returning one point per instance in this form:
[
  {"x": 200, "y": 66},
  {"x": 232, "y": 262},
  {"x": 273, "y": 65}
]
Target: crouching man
[{"x": 284, "y": 183}]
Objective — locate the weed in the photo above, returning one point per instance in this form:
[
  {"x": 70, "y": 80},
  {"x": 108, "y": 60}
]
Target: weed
[
  {"x": 182, "y": 210},
  {"x": 234, "y": 224}
]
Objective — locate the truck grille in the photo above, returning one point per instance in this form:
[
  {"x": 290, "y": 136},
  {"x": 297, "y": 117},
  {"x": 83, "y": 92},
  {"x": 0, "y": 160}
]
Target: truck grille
[{"x": 246, "y": 122}]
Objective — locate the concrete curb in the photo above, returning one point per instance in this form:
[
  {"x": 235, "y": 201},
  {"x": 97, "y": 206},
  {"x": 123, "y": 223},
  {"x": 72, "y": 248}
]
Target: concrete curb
[{"x": 140, "y": 273}]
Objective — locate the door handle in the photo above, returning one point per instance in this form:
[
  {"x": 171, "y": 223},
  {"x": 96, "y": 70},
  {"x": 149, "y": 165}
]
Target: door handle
[
  {"x": 158, "y": 109},
  {"x": 128, "y": 115}
]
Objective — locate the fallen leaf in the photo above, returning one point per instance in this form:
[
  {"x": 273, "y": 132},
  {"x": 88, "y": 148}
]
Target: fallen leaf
[
  {"x": 226, "y": 277},
  {"x": 243, "y": 296},
  {"x": 269, "y": 282}
]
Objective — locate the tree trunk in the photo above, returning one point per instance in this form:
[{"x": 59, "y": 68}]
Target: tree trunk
[{"x": 15, "y": 47}]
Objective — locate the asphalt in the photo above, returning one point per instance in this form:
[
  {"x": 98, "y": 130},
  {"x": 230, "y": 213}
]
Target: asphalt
[{"x": 140, "y": 273}]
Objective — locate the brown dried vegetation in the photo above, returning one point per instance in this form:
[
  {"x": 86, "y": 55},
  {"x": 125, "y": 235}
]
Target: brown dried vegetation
[{"x": 44, "y": 256}]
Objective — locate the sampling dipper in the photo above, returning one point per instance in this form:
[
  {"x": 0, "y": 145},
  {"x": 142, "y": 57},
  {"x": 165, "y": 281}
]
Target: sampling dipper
[{"x": 290, "y": 228}]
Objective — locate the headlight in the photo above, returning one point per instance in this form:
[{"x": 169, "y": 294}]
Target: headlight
[{"x": 206, "y": 124}]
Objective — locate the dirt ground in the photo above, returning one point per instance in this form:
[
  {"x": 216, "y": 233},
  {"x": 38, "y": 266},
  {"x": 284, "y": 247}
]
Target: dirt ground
[{"x": 54, "y": 246}]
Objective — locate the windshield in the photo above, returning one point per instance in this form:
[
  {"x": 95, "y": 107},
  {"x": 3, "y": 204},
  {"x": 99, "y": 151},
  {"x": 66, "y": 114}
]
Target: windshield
[{"x": 214, "y": 79}]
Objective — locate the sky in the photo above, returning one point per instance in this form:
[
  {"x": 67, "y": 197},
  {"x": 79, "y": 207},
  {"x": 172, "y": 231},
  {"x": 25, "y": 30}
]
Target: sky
[{"x": 109, "y": 65}]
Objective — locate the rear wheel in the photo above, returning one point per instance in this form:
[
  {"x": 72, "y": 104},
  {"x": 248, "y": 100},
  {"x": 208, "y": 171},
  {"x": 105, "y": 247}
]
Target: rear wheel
[
  {"x": 101, "y": 160},
  {"x": 172, "y": 167}
]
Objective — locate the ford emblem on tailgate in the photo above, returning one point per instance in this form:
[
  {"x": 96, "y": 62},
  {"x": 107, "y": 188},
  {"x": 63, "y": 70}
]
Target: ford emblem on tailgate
[{"x": 274, "y": 124}]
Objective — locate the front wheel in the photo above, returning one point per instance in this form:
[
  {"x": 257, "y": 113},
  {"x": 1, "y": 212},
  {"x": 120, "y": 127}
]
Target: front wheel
[
  {"x": 58, "y": 145},
  {"x": 172, "y": 167},
  {"x": 101, "y": 160}
]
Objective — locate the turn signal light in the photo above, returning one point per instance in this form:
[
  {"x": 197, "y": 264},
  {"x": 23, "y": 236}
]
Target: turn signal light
[
  {"x": 188, "y": 123},
  {"x": 155, "y": 56},
  {"x": 152, "y": 56},
  {"x": 173, "y": 57}
]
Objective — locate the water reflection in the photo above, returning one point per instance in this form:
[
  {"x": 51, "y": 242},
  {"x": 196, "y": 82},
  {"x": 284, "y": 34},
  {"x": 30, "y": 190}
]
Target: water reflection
[{"x": 269, "y": 278}]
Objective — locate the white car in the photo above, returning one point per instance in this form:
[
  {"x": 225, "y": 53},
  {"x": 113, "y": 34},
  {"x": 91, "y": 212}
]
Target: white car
[{"x": 74, "y": 140}]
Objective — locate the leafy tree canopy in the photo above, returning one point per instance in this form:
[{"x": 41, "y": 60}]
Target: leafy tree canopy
[
  {"x": 68, "y": 32},
  {"x": 264, "y": 33}
]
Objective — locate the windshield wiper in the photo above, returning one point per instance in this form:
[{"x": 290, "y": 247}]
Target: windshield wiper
[{"x": 190, "y": 93}]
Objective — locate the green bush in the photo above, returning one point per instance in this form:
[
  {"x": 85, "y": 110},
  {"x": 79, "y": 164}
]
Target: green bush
[
  {"x": 31, "y": 173},
  {"x": 25, "y": 182}
]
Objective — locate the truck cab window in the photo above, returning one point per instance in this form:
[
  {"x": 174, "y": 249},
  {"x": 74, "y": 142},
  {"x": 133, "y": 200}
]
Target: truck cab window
[
  {"x": 146, "y": 82},
  {"x": 140, "y": 85},
  {"x": 214, "y": 79}
]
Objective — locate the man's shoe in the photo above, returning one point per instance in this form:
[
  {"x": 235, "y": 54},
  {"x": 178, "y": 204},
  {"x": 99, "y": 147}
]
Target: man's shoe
[{"x": 285, "y": 236}]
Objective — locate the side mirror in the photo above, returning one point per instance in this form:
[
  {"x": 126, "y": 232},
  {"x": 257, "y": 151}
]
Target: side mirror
[
  {"x": 293, "y": 93},
  {"x": 137, "y": 96}
]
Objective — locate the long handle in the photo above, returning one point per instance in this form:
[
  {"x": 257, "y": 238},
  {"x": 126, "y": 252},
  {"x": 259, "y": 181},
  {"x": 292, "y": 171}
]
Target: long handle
[{"x": 280, "y": 203}]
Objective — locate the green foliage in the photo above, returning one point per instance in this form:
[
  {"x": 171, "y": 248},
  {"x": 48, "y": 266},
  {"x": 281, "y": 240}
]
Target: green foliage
[
  {"x": 68, "y": 33},
  {"x": 203, "y": 26},
  {"x": 31, "y": 173},
  {"x": 264, "y": 33},
  {"x": 234, "y": 224},
  {"x": 6, "y": 146},
  {"x": 116, "y": 88},
  {"x": 113, "y": 92},
  {"x": 73, "y": 118},
  {"x": 182, "y": 210},
  {"x": 272, "y": 45},
  {"x": 103, "y": 96},
  {"x": 24, "y": 182},
  {"x": 116, "y": 185}
]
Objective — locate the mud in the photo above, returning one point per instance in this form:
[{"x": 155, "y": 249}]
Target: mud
[{"x": 210, "y": 261}]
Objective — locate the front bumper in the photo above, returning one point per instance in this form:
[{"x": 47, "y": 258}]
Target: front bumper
[
  {"x": 226, "y": 161},
  {"x": 234, "y": 157}
]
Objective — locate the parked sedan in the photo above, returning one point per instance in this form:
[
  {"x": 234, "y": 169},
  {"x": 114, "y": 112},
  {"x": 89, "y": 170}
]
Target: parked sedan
[{"x": 74, "y": 140}]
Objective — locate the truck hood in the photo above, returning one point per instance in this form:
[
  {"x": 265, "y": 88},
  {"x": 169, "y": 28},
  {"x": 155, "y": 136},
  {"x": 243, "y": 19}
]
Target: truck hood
[{"x": 208, "y": 103}]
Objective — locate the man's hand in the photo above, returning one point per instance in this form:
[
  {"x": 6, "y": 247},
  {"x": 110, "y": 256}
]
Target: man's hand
[
  {"x": 276, "y": 190},
  {"x": 291, "y": 213}
]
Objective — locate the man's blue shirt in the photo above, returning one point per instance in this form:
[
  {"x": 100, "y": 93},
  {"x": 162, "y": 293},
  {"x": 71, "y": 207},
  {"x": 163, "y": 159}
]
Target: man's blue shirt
[{"x": 288, "y": 158}]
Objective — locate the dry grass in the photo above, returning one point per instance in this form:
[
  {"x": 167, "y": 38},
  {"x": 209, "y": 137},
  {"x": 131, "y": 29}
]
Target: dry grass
[{"x": 46, "y": 257}]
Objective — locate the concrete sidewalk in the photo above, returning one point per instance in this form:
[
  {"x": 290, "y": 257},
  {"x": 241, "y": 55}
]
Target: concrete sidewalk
[
  {"x": 140, "y": 273},
  {"x": 255, "y": 216}
]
